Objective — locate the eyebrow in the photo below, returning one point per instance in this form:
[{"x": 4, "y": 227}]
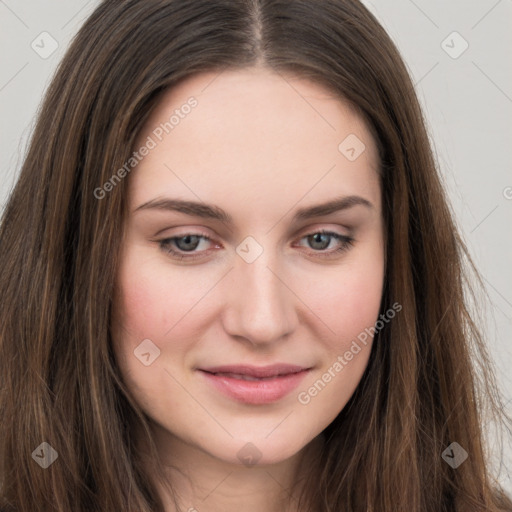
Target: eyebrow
[{"x": 209, "y": 211}]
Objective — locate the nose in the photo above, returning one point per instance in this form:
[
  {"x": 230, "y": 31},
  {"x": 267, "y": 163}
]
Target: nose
[{"x": 259, "y": 307}]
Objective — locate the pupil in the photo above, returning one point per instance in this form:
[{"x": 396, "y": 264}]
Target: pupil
[
  {"x": 189, "y": 239},
  {"x": 317, "y": 239}
]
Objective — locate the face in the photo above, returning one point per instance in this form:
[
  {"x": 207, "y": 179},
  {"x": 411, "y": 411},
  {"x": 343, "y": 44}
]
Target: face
[{"x": 253, "y": 259}]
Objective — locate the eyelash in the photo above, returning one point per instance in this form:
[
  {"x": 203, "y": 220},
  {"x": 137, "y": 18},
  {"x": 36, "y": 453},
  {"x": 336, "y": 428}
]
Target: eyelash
[{"x": 345, "y": 243}]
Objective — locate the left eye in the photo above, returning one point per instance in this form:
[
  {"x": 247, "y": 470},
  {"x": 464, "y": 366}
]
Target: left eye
[
  {"x": 319, "y": 241},
  {"x": 188, "y": 242}
]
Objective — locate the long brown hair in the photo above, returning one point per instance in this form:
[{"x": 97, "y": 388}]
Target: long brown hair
[{"x": 428, "y": 378}]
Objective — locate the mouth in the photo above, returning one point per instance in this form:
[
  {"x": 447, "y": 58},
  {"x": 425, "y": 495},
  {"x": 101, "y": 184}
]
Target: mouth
[{"x": 253, "y": 384}]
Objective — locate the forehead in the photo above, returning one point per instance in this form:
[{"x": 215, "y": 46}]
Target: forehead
[{"x": 254, "y": 132}]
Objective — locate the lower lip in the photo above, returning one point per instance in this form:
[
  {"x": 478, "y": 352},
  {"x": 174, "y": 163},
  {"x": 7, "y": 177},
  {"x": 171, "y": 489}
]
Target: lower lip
[{"x": 256, "y": 391}]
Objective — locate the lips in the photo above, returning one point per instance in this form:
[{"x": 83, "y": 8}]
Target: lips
[
  {"x": 241, "y": 376},
  {"x": 255, "y": 384},
  {"x": 257, "y": 372}
]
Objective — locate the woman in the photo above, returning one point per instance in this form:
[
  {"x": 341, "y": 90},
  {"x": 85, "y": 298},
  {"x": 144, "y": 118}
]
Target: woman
[{"x": 231, "y": 278}]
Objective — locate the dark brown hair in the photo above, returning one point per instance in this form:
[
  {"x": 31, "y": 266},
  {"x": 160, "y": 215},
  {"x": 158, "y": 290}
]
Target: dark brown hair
[{"x": 428, "y": 378}]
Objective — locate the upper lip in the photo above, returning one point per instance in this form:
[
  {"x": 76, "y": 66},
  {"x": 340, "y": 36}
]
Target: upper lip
[{"x": 273, "y": 370}]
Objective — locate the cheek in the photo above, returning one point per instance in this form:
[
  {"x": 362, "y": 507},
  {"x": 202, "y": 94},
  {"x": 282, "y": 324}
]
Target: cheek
[
  {"x": 146, "y": 308},
  {"x": 138, "y": 307},
  {"x": 151, "y": 297},
  {"x": 347, "y": 301},
  {"x": 138, "y": 314}
]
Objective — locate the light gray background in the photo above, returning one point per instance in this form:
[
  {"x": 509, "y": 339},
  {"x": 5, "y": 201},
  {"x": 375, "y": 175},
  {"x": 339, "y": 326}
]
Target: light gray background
[{"x": 467, "y": 101}]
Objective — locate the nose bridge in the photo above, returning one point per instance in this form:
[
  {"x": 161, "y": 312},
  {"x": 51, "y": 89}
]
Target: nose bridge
[{"x": 260, "y": 307}]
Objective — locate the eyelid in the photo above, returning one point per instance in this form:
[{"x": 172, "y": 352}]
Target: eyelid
[
  {"x": 324, "y": 227},
  {"x": 311, "y": 230}
]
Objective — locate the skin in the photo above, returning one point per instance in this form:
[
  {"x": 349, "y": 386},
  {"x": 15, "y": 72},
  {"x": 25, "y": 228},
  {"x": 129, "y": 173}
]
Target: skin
[{"x": 259, "y": 145}]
